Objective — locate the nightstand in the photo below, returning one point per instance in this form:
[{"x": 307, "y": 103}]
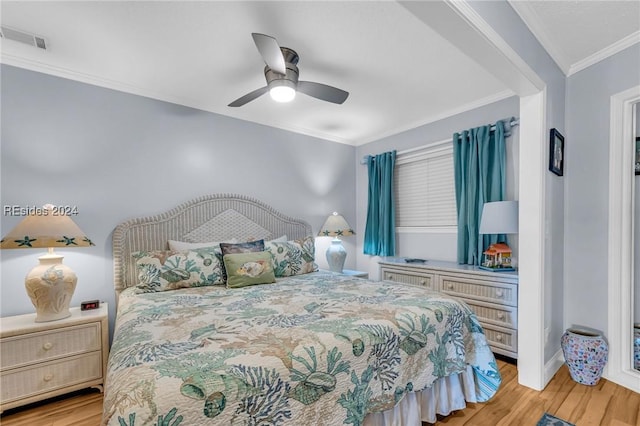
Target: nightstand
[
  {"x": 359, "y": 274},
  {"x": 46, "y": 359}
]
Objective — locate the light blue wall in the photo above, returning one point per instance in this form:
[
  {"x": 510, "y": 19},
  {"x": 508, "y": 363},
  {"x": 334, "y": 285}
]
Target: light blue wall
[
  {"x": 437, "y": 246},
  {"x": 116, "y": 156},
  {"x": 588, "y": 116}
]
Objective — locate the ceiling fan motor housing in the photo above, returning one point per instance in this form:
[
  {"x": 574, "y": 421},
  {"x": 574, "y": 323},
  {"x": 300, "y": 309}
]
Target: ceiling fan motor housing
[{"x": 291, "y": 77}]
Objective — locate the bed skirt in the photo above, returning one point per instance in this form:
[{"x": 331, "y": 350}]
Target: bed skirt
[{"x": 445, "y": 396}]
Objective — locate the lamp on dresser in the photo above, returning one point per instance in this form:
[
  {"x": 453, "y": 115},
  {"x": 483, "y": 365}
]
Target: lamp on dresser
[
  {"x": 50, "y": 285},
  {"x": 498, "y": 217},
  {"x": 336, "y": 226}
]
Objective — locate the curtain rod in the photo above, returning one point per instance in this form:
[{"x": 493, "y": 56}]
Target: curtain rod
[{"x": 513, "y": 121}]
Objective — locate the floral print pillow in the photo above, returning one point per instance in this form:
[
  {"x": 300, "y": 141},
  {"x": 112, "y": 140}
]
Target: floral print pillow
[
  {"x": 293, "y": 257},
  {"x": 162, "y": 270}
]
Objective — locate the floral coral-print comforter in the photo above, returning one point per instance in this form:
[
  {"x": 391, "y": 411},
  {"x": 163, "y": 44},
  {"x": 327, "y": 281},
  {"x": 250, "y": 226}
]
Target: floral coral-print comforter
[{"x": 318, "y": 348}]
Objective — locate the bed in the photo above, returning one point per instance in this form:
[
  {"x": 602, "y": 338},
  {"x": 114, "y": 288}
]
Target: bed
[{"x": 310, "y": 348}]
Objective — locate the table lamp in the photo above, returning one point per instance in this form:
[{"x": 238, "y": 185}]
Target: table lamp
[
  {"x": 498, "y": 217},
  {"x": 336, "y": 226},
  {"x": 50, "y": 285}
]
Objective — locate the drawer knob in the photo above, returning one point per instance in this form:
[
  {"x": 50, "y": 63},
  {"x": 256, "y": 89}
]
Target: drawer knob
[
  {"x": 499, "y": 337},
  {"x": 48, "y": 377},
  {"x": 500, "y": 315},
  {"x": 423, "y": 282},
  {"x": 390, "y": 276},
  {"x": 47, "y": 346},
  {"x": 499, "y": 293},
  {"x": 450, "y": 286}
]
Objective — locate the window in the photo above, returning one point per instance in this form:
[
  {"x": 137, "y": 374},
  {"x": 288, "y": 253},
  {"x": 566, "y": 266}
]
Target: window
[{"x": 424, "y": 189}]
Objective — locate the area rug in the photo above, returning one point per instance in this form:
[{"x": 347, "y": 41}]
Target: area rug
[{"x": 549, "y": 420}]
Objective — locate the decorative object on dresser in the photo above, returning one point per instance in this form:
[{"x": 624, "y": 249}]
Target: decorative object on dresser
[
  {"x": 336, "y": 226},
  {"x": 42, "y": 360},
  {"x": 586, "y": 352},
  {"x": 492, "y": 296},
  {"x": 498, "y": 217},
  {"x": 50, "y": 285}
]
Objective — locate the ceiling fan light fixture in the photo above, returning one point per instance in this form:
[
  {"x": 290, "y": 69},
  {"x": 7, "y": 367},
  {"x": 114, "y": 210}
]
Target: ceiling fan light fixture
[{"x": 282, "y": 92}]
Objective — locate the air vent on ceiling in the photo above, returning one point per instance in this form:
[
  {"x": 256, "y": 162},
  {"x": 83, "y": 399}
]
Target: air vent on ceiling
[{"x": 23, "y": 37}]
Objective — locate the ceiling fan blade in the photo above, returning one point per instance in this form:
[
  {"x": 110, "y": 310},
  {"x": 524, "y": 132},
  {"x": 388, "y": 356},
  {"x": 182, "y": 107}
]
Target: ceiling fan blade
[
  {"x": 270, "y": 51},
  {"x": 323, "y": 92},
  {"x": 249, "y": 97}
]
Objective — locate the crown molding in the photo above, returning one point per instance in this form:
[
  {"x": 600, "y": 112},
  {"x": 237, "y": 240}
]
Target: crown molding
[
  {"x": 539, "y": 31},
  {"x": 611, "y": 50}
]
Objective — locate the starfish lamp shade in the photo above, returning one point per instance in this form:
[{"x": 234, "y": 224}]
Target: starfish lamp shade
[
  {"x": 50, "y": 285},
  {"x": 336, "y": 226}
]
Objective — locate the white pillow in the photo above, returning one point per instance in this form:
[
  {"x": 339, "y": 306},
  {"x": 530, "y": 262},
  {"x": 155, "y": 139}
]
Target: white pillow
[{"x": 183, "y": 245}]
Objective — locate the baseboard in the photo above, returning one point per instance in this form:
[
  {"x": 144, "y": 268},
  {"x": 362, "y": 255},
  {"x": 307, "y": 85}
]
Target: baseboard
[{"x": 552, "y": 366}]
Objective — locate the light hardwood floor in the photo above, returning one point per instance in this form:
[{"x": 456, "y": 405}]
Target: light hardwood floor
[{"x": 605, "y": 404}]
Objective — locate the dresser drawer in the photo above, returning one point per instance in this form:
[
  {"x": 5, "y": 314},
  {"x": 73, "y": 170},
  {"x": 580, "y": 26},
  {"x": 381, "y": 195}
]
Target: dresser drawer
[
  {"x": 488, "y": 291},
  {"x": 502, "y": 340},
  {"x": 46, "y": 345},
  {"x": 405, "y": 277},
  {"x": 501, "y": 315},
  {"x": 28, "y": 381}
]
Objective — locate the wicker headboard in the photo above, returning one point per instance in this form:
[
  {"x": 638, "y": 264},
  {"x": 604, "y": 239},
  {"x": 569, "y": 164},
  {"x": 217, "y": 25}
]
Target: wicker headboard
[{"x": 215, "y": 217}]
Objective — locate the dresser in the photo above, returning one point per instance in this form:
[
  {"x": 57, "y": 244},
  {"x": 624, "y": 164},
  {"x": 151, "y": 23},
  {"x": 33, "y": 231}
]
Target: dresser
[
  {"x": 493, "y": 296},
  {"x": 46, "y": 359}
]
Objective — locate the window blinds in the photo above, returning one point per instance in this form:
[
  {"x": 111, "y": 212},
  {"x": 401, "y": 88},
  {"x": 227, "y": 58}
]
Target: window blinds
[{"x": 424, "y": 187}]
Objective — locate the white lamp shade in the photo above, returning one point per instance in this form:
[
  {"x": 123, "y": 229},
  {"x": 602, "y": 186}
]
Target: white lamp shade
[
  {"x": 335, "y": 226},
  {"x": 45, "y": 230},
  {"x": 499, "y": 217}
]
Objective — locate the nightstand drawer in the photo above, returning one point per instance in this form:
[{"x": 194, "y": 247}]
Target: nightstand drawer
[
  {"x": 425, "y": 280},
  {"x": 25, "y": 382},
  {"x": 505, "y": 316},
  {"x": 502, "y": 340},
  {"x": 504, "y": 294},
  {"x": 41, "y": 346}
]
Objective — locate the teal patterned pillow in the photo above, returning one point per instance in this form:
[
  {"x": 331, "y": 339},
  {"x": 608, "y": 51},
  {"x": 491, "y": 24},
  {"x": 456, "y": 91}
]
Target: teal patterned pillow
[
  {"x": 293, "y": 257},
  {"x": 244, "y": 269},
  {"x": 162, "y": 270}
]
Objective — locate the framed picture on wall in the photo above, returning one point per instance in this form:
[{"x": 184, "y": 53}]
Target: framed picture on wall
[
  {"x": 637, "y": 157},
  {"x": 556, "y": 152}
]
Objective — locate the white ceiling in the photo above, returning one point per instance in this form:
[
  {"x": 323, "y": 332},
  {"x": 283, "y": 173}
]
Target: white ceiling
[{"x": 399, "y": 72}]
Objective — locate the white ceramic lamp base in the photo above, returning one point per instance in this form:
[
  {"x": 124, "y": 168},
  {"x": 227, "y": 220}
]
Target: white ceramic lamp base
[
  {"x": 50, "y": 285},
  {"x": 336, "y": 255}
]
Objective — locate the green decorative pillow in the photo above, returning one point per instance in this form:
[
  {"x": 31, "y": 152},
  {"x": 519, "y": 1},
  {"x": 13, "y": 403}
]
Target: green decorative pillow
[
  {"x": 244, "y": 269},
  {"x": 248, "y": 247},
  {"x": 162, "y": 270},
  {"x": 293, "y": 257}
]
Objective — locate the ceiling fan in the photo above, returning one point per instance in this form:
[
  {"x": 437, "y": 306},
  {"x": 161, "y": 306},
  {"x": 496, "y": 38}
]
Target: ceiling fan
[{"x": 281, "y": 73}]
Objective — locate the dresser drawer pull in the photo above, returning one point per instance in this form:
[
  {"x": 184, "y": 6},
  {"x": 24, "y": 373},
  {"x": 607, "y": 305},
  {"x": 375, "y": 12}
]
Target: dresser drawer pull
[
  {"x": 499, "y": 293},
  {"x": 450, "y": 286},
  {"x": 499, "y": 337},
  {"x": 500, "y": 315},
  {"x": 47, "y": 346},
  {"x": 423, "y": 282},
  {"x": 390, "y": 276},
  {"x": 48, "y": 377}
]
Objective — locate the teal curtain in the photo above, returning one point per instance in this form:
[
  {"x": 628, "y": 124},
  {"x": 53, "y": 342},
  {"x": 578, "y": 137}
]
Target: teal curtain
[
  {"x": 479, "y": 167},
  {"x": 380, "y": 231}
]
